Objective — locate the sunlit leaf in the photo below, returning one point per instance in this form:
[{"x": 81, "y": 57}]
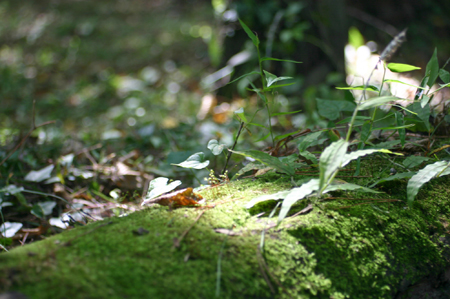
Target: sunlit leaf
[
  {"x": 42, "y": 209},
  {"x": 11, "y": 189},
  {"x": 265, "y": 197},
  {"x": 375, "y": 102},
  {"x": 401, "y": 82},
  {"x": 361, "y": 153},
  {"x": 196, "y": 161},
  {"x": 331, "y": 159},
  {"x": 268, "y": 160},
  {"x": 401, "y": 67},
  {"x": 295, "y": 195},
  {"x": 9, "y": 229},
  {"x": 159, "y": 186},
  {"x": 424, "y": 175},
  {"x": 360, "y": 87},
  {"x": 39, "y": 175}
]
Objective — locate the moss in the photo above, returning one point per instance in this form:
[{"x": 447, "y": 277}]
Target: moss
[{"x": 363, "y": 251}]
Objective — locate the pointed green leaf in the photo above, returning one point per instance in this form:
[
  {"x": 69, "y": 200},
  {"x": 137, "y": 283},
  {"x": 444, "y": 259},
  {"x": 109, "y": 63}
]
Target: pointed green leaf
[
  {"x": 360, "y": 87},
  {"x": 357, "y": 154},
  {"x": 423, "y": 176},
  {"x": 250, "y": 34},
  {"x": 331, "y": 109},
  {"x": 432, "y": 70},
  {"x": 240, "y": 113},
  {"x": 276, "y": 59},
  {"x": 348, "y": 187},
  {"x": 330, "y": 160},
  {"x": 286, "y": 113},
  {"x": 401, "y": 67},
  {"x": 265, "y": 197},
  {"x": 39, "y": 175},
  {"x": 295, "y": 195},
  {"x": 271, "y": 78},
  {"x": 375, "y": 102},
  {"x": 444, "y": 75},
  {"x": 401, "y": 82},
  {"x": 245, "y": 75},
  {"x": 268, "y": 160},
  {"x": 307, "y": 140},
  {"x": 399, "y": 117},
  {"x": 413, "y": 161},
  {"x": 398, "y": 176}
]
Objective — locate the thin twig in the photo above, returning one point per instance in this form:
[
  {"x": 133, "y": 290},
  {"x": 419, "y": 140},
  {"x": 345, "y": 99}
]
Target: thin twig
[
  {"x": 232, "y": 148},
  {"x": 177, "y": 241}
]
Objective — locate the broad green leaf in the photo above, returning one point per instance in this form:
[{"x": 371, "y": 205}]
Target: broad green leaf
[
  {"x": 401, "y": 82},
  {"x": 413, "y": 161},
  {"x": 360, "y": 87},
  {"x": 268, "y": 160},
  {"x": 251, "y": 166},
  {"x": 158, "y": 187},
  {"x": 286, "y": 113},
  {"x": 276, "y": 59},
  {"x": 357, "y": 118},
  {"x": 196, "y": 161},
  {"x": 250, "y": 34},
  {"x": 240, "y": 113},
  {"x": 444, "y": 75},
  {"x": 424, "y": 101},
  {"x": 309, "y": 156},
  {"x": 331, "y": 109},
  {"x": 42, "y": 209},
  {"x": 271, "y": 78},
  {"x": 348, "y": 187},
  {"x": 357, "y": 154},
  {"x": 398, "y": 176},
  {"x": 432, "y": 70},
  {"x": 245, "y": 75},
  {"x": 365, "y": 131},
  {"x": 295, "y": 195},
  {"x": 308, "y": 140},
  {"x": 215, "y": 147},
  {"x": 375, "y": 102},
  {"x": 39, "y": 175},
  {"x": 11, "y": 189},
  {"x": 423, "y": 176},
  {"x": 401, "y": 67},
  {"x": 422, "y": 113},
  {"x": 265, "y": 197},
  {"x": 330, "y": 161},
  {"x": 9, "y": 229}
]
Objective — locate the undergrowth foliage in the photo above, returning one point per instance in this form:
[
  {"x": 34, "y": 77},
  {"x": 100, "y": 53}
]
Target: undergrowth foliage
[{"x": 340, "y": 151}]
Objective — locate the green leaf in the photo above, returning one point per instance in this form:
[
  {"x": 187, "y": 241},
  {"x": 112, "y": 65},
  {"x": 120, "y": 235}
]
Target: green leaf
[
  {"x": 276, "y": 59},
  {"x": 444, "y": 75},
  {"x": 331, "y": 109},
  {"x": 357, "y": 118},
  {"x": 424, "y": 101},
  {"x": 396, "y": 127},
  {"x": 375, "y": 102},
  {"x": 399, "y": 117},
  {"x": 39, "y": 175},
  {"x": 286, "y": 113},
  {"x": 215, "y": 147},
  {"x": 413, "y": 161},
  {"x": 398, "y": 176},
  {"x": 295, "y": 195},
  {"x": 196, "y": 161},
  {"x": 360, "y": 87},
  {"x": 423, "y": 176},
  {"x": 331, "y": 160},
  {"x": 307, "y": 155},
  {"x": 265, "y": 197},
  {"x": 401, "y": 82},
  {"x": 240, "y": 113},
  {"x": 279, "y": 85},
  {"x": 11, "y": 189},
  {"x": 158, "y": 187},
  {"x": 308, "y": 140},
  {"x": 365, "y": 131},
  {"x": 348, "y": 187},
  {"x": 268, "y": 160},
  {"x": 357, "y": 154},
  {"x": 271, "y": 78},
  {"x": 42, "y": 209},
  {"x": 432, "y": 70},
  {"x": 422, "y": 113},
  {"x": 250, "y": 34},
  {"x": 245, "y": 75},
  {"x": 9, "y": 229},
  {"x": 401, "y": 67}
]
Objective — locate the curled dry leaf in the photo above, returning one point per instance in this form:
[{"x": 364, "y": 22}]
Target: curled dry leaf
[{"x": 180, "y": 198}]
